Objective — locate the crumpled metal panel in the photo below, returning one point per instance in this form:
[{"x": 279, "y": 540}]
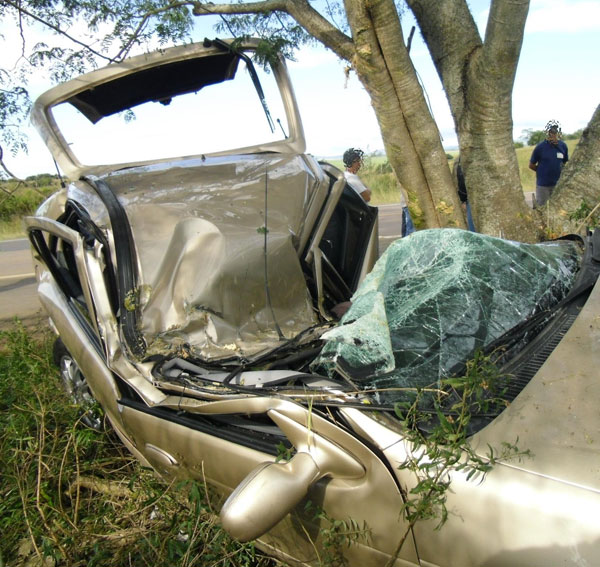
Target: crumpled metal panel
[
  {"x": 436, "y": 297},
  {"x": 198, "y": 227}
]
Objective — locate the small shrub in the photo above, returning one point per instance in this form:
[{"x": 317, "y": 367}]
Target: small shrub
[{"x": 23, "y": 198}]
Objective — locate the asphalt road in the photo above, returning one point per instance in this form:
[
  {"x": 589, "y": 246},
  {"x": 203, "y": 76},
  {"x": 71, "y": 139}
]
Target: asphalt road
[{"x": 18, "y": 295}]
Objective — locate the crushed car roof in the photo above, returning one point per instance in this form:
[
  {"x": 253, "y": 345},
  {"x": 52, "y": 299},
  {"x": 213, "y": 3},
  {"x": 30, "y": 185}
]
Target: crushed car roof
[
  {"x": 160, "y": 76},
  {"x": 159, "y": 84}
]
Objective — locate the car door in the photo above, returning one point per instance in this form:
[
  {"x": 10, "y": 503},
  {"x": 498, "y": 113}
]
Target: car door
[{"x": 328, "y": 472}]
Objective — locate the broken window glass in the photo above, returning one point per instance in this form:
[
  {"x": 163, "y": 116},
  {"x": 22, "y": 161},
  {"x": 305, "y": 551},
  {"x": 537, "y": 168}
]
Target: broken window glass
[{"x": 434, "y": 299}]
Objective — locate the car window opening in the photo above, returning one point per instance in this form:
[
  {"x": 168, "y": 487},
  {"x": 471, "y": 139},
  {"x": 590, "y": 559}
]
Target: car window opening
[{"x": 255, "y": 80}]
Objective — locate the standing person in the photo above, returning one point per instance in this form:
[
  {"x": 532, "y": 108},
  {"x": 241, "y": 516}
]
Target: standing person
[
  {"x": 407, "y": 223},
  {"x": 547, "y": 160},
  {"x": 464, "y": 196},
  {"x": 353, "y": 160}
]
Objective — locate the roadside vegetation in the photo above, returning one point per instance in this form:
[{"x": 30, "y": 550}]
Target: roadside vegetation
[
  {"x": 73, "y": 496},
  {"x": 19, "y": 198}
]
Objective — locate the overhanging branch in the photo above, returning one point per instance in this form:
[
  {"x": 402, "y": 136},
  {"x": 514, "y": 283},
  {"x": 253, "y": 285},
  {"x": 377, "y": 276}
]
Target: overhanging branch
[
  {"x": 300, "y": 10},
  {"x": 21, "y": 10}
]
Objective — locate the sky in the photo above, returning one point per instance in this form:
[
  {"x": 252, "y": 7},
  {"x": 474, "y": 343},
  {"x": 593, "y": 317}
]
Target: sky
[{"x": 558, "y": 77}]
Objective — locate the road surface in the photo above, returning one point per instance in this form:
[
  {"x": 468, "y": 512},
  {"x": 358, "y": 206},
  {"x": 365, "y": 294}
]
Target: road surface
[{"x": 18, "y": 296}]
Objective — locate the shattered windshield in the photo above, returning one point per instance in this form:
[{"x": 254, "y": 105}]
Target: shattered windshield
[{"x": 433, "y": 300}]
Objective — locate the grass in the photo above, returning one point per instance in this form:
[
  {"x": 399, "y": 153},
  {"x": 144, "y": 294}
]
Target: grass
[
  {"x": 11, "y": 228},
  {"x": 21, "y": 198},
  {"x": 73, "y": 496}
]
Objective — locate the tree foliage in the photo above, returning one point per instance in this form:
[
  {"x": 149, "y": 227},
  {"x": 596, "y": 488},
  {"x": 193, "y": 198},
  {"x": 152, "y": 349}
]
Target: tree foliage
[
  {"x": 84, "y": 35},
  {"x": 535, "y": 137},
  {"x": 477, "y": 74}
]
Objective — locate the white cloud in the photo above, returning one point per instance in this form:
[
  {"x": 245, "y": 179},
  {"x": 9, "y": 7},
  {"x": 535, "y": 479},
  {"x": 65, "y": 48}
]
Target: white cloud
[
  {"x": 558, "y": 16},
  {"x": 563, "y": 16},
  {"x": 310, "y": 57}
]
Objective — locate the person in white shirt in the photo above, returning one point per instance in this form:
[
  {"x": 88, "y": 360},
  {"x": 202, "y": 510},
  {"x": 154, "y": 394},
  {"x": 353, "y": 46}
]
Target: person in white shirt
[{"x": 353, "y": 160}]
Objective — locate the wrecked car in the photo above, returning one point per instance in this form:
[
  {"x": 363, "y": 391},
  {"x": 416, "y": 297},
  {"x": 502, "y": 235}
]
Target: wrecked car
[{"x": 193, "y": 268}]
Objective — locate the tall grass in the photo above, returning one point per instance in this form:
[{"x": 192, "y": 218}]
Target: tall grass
[{"x": 71, "y": 496}]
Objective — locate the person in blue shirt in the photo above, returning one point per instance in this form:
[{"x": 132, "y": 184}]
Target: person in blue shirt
[{"x": 547, "y": 160}]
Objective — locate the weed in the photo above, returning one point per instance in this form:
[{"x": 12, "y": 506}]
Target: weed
[
  {"x": 586, "y": 215},
  {"x": 334, "y": 535},
  {"x": 70, "y": 495}
]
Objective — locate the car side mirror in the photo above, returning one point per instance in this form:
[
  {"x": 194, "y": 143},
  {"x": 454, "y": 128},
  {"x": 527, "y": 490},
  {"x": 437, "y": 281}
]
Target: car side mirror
[
  {"x": 267, "y": 495},
  {"x": 272, "y": 490}
]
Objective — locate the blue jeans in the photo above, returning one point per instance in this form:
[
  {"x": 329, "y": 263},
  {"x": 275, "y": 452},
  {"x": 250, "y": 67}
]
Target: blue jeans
[
  {"x": 407, "y": 224},
  {"x": 470, "y": 222}
]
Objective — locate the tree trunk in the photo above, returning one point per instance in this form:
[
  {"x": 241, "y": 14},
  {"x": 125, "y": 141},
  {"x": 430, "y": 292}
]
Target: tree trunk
[
  {"x": 579, "y": 183},
  {"x": 478, "y": 79},
  {"x": 409, "y": 133}
]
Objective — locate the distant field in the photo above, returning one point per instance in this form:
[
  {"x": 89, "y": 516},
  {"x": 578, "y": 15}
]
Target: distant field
[{"x": 18, "y": 199}]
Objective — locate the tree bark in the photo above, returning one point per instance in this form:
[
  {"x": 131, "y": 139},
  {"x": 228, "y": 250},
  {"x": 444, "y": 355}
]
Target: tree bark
[
  {"x": 579, "y": 182},
  {"x": 478, "y": 78}
]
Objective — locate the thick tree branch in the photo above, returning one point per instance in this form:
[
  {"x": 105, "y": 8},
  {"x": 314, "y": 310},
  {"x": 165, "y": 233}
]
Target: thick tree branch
[
  {"x": 504, "y": 38},
  {"x": 315, "y": 24},
  {"x": 420, "y": 124},
  {"x": 449, "y": 31}
]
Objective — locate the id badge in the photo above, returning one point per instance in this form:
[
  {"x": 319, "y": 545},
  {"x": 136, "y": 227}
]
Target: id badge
[{"x": 559, "y": 155}]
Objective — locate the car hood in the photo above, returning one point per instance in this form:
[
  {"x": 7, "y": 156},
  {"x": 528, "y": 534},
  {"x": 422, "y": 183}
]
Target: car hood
[
  {"x": 218, "y": 241},
  {"x": 556, "y": 415}
]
